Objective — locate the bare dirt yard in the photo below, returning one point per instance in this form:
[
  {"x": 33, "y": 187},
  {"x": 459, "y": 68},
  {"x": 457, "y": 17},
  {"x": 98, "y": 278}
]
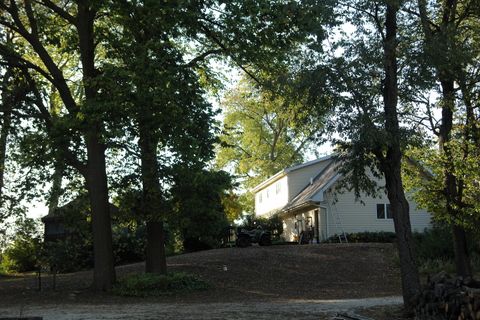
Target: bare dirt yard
[{"x": 277, "y": 282}]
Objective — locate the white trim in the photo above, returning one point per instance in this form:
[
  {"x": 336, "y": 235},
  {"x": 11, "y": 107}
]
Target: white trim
[
  {"x": 331, "y": 182},
  {"x": 284, "y": 172},
  {"x": 269, "y": 181},
  {"x": 326, "y": 220},
  {"x": 319, "y": 195}
]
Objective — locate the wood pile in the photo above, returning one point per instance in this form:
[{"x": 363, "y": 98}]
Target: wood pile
[{"x": 447, "y": 298}]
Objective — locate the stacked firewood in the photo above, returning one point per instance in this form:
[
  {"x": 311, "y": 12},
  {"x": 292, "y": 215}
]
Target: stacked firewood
[{"x": 449, "y": 298}]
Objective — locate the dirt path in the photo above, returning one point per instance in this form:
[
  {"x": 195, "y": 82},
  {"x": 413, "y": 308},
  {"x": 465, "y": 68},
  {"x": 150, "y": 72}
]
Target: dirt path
[{"x": 290, "y": 309}]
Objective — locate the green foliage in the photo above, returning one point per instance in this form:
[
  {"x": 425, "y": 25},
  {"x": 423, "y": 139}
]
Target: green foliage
[
  {"x": 69, "y": 255},
  {"x": 264, "y": 132},
  {"x": 273, "y": 224},
  {"x": 425, "y": 177},
  {"x": 144, "y": 285},
  {"x": 23, "y": 252},
  {"x": 128, "y": 244},
  {"x": 365, "y": 237},
  {"x": 434, "y": 243},
  {"x": 435, "y": 251},
  {"x": 199, "y": 213},
  {"x": 436, "y": 265}
]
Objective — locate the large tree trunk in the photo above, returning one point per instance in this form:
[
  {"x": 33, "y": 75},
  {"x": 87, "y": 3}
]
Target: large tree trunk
[
  {"x": 391, "y": 165},
  {"x": 446, "y": 69},
  {"x": 96, "y": 174},
  {"x": 6, "y": 109},
  {"x": 155, "y": 252},
  {"x": 452, "y": 196},
  {"x": 462, "y": 257},
  {"x": 151, "y": 196},
  {"x": 104, "y": 272}
]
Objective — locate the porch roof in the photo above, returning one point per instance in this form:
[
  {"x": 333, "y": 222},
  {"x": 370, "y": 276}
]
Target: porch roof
[{"x": 312, "y": 194}]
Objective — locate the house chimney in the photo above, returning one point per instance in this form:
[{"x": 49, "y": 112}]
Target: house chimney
[{"x": 311, "y": 180}]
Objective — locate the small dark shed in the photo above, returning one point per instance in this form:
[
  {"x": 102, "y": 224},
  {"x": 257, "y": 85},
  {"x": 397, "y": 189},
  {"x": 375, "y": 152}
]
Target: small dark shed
[{"x": 65, "y": 221}]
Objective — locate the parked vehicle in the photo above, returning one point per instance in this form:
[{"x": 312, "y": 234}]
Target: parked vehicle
[{"x": 246, "y": 237}]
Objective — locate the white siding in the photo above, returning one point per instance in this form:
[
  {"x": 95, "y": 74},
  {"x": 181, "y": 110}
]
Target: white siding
[
  {"x": 299, "y": 179},
  {"x": 357, "y": 217},
  {"x": 291, "y": 231},
  {"x": 273, "y": 197}
]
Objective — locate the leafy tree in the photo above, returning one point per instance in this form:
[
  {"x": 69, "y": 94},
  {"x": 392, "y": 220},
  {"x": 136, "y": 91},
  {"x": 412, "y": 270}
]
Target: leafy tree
[
  {"x": 450, "y": 36},
  {"x": 369, "y": 120},
  {"x": 24, "y": 250},
  {"x": 157, "y": 88},
  {"x": 47, "y": 30},
  {"x": 265, "y": 132},
  {"x": 165, "y": 89},
  {"x": 197, "y": 204}
]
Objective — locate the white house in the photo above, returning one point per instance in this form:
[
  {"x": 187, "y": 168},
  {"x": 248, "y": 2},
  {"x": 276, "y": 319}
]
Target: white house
[{"x": 305, "y": 197}]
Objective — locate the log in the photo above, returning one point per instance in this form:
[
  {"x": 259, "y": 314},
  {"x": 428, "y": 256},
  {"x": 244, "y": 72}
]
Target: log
[{"x": 444, "y": 297}]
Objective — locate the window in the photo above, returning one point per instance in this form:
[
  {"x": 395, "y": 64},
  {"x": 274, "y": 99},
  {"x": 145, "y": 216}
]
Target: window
[
  {"x": 384, "y": 211},
  {"x": 260, "y": 197},
  {"x": 268, "y": 193},
  {"x": 389, "y": 211},
  {"x": 278, "y": 187},
  {"x": 380, "y": 211}
]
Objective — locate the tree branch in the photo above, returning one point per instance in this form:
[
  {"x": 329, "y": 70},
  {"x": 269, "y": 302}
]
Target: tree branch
[
  {"x": 60, "y": 11},
  {"x": 217, "y": 41},
  {"x": 202, "y": 56}
]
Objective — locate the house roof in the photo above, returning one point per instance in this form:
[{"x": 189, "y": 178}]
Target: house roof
[
  {"x": 284, "y": 172},
  {"x": 313, "y": 193}
]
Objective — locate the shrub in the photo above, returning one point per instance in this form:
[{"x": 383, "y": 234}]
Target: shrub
[
  {"x": 434, "y": 243},
  {"x": 22, "y": 253},
  {"x": 69, "y": 255},
  {"x": 128, "y": 244},
  {"x": 365, "y": 237},
  {"x": 143, "y": 285},
  {"x": 274, "y": 224},
  {"x": 436, "y": 265},
  {"x": 435, "y": 251},
  {"x": 199, "y": 215}
]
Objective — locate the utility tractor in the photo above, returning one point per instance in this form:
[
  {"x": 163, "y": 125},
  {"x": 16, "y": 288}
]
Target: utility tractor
[{"x": 246, "y": 237}]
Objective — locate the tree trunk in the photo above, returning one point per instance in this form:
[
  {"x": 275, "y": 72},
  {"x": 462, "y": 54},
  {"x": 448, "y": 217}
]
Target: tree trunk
[
  {"x": 96, "y": 175},
  {"x": 151, "y": 196},
  {"x": 405, "y": 244},
  {"x": 56, "y": 190},
  {"x": 452, "y": 196},
  {"x": 155, "y": 252},
  {"x": 104, "y": 272},
  {"x": 6, "y": 108},
  {"x": 446, "y": 69},
  {"x": 391, "y": 166},
  {"x": 462, "y": 257}
]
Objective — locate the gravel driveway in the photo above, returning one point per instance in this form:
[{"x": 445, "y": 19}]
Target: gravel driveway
[{"x": 290, "y": 309}]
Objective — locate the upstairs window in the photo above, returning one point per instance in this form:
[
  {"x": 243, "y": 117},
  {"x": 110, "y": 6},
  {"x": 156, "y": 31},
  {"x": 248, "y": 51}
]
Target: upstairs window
[
  {"x": 260, "y": 198},
  {"x": 278, "y": 187},
  {"x": 384, "y": 211}
]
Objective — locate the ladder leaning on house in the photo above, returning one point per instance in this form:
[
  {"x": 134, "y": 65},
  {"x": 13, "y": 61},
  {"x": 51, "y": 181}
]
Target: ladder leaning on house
[{"x": 342, "y": 236}]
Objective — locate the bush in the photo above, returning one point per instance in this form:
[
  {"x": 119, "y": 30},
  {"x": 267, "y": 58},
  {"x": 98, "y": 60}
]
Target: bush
[
  {"x": 434, "y": 243},
  {"x": 22, "y": 253},
  {"x": 128, "y": 244},
  {"x": 143, "y": 285},
  {"x": 69, "y": 255},
  {"x": 435, "y": 265},
  {"x": 274, "y": 225},
  {"x": 365, "y": 237},
  {"x": 199, "y": 215},
  {"x": 435, "y": 251}
]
